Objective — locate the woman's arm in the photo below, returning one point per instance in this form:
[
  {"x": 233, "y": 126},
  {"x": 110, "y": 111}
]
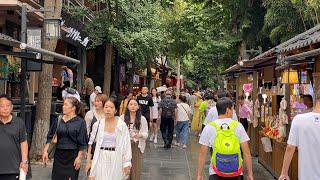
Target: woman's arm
[
  {"x": 94, "y": 132},
  {"x": 88, "y": 118},
  {"x": 82, "y": 138},
  {"x": 144, "y": 129},
  {"x": 127, "y": 153},
  {"x": 52, "y": 131}
]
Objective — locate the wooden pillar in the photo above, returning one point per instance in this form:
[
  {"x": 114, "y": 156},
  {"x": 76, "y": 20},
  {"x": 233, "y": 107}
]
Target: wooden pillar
[
  {"x": 237, "y": 94},
  {"x": 255, "y": 131},
  {"x": 287, "y": 98}
]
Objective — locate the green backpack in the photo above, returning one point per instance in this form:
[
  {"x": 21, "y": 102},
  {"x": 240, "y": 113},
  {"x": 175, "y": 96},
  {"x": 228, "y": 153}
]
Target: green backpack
[{"x": 226, "y": 156}]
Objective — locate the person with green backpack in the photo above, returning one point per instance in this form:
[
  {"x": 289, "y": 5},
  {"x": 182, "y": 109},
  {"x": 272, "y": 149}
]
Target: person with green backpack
[{"x": 227, "y": 138}]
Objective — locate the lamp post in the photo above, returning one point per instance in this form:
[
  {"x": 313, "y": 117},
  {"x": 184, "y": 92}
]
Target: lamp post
[{"x": 52, "y": 31}]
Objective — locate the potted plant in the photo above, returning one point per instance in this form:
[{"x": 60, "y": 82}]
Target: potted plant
[{"x": 14, "y": 79}]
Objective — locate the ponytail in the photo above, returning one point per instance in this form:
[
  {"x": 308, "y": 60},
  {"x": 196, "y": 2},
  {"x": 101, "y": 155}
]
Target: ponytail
[{"x": 80, "y": 109}]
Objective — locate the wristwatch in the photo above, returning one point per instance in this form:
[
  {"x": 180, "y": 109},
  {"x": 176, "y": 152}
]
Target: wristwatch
[{"x": 25, "y": 162}]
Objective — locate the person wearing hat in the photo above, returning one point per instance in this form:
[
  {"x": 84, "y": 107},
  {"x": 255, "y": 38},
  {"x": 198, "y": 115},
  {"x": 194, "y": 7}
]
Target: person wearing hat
[
  {"x": 196, "y": 124},
  {"x": 97, "y": 90}
]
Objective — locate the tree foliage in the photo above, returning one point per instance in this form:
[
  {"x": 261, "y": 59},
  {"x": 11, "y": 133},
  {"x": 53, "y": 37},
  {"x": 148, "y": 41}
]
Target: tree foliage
[{"x": 206, "y": 35}]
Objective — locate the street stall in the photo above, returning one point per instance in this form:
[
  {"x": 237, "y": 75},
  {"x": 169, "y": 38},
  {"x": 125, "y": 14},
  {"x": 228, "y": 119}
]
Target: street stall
[{"x": 289, "y": 72}]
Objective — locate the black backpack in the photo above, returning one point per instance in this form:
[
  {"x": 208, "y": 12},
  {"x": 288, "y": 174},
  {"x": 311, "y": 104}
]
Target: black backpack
[{"x": 168, "y": 110}]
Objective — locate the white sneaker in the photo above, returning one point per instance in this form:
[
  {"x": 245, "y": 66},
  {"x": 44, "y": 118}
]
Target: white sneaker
[
  {"x": 151, "y": 137},
  {"x": 155, "y": 140}
]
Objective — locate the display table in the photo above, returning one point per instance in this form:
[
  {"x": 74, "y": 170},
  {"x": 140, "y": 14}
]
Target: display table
[{"x": 272, "y": 161}]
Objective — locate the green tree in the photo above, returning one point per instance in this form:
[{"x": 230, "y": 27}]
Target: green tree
[{"x": 132, "y": 27}]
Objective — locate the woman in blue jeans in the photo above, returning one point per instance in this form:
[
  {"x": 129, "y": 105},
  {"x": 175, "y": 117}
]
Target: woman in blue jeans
[{"x": 182, "y": 127}]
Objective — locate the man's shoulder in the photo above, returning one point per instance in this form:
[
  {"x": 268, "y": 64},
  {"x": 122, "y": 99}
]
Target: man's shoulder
[
  {"x": 304, "y": 116},
  {"x": 16, "y": 119}
]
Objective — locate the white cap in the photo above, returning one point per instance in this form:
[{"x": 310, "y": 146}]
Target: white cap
[{"x": 98, "y": 88}]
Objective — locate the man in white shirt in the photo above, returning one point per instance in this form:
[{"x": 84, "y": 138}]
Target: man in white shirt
[
  {"x": 213, "y": 113},
  {"x": 225, "y": 110},
  {"x": 97, "y": 90},
  {"x": 304, "y": 136}
]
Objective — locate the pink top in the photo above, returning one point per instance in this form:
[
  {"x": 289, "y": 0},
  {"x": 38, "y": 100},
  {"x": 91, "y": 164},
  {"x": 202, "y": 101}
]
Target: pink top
[{"x": 244, "y": 111}]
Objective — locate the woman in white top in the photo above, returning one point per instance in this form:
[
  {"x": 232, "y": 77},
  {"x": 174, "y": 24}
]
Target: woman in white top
[
  {"x": 154, "y": 116},
  {"x": 97, "y": 113},
  {"x": 182, "y": 127},
  {"x": 112, "y": 154},
  {"x": 138, "y": 127}
]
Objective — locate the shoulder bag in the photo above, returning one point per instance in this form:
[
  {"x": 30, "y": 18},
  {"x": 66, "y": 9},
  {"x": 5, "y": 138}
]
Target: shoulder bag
[{"x": 53, "y": 143}]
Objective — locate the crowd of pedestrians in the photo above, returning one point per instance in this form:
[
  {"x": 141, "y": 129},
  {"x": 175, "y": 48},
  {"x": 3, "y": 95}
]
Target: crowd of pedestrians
[{"x": 113, "y": 139}]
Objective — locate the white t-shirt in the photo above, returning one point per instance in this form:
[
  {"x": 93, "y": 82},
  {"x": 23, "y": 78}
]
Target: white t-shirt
[
  {"x": 92, "y": 99},
  {"x": 155, "y": 108},
  {"x": 213, "y": 115},
  {"x": 305, "y": 135},
  {"x": 183, "y": 110},
  {"x": 208, "y": 135}
]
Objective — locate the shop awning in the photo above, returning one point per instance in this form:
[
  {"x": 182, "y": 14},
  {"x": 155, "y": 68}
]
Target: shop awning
[
  {"x": 302, "y": 56},
  {"x": 8, "y": 41}
]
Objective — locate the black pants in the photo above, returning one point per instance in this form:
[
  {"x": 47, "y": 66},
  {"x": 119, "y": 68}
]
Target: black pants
[
  {"x": 215, "y": 177},
  {"x": 244, "y": 122},
  {"x": 166, "y": 128},
  {"x": 9, "y": 176}
]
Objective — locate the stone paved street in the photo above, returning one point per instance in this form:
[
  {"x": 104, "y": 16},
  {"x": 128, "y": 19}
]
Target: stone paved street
[{"x": 173, "y": 164}]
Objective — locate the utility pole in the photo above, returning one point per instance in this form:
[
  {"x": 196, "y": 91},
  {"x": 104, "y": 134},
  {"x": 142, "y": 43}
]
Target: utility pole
[{"x": 23, "y": 78}]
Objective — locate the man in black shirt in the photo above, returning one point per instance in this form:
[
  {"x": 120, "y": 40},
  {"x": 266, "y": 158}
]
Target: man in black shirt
[
  {"x": 13, "y": 138},
  {"x": 145, "y": 101}
]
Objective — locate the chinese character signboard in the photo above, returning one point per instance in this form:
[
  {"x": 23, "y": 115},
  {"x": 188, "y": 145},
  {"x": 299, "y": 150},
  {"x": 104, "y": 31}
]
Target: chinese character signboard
[
  {"x": 4, "y": 68},
  {"x": 34, "y": 39},
  {"x": 75, "y": 35}
]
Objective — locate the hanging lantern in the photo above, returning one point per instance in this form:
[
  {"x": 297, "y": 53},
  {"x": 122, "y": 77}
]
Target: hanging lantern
[
  {"x": 290, "y": 76},
  {"x": 52, "y": 28}
]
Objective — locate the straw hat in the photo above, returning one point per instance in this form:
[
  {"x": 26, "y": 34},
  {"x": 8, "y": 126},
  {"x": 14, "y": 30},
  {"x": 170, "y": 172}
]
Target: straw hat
[{"x": 197, "y": 94}]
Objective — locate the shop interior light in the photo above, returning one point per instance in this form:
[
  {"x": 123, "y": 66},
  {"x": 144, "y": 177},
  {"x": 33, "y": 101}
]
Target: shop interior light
[{"x": 290, "y": 76}]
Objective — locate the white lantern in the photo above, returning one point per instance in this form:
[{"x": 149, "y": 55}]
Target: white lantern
[{"x": 52, "y": 28}]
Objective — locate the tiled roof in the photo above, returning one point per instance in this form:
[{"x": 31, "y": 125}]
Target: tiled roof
[{"x": 307, "y": 38}]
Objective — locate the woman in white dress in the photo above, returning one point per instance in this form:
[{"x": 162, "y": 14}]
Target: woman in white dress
[
  {"x": 154, "y": 116},
  {"x": 112, "y": 154},
  {"x": 138, "y": 128}
]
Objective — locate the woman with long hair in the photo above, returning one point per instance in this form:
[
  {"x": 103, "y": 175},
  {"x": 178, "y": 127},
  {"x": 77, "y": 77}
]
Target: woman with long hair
[
  {"x": 112, "y": 154},
  {"x": 154, "y": 116},
  {"x": 72, "y": 139},
  {"x": 138, "y": 127},
  {"x": 124, "y": 103}
]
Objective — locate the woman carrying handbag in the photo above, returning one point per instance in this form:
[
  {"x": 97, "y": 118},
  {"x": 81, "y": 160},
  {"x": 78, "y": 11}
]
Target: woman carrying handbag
[{"x": 71, "y": 142}]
